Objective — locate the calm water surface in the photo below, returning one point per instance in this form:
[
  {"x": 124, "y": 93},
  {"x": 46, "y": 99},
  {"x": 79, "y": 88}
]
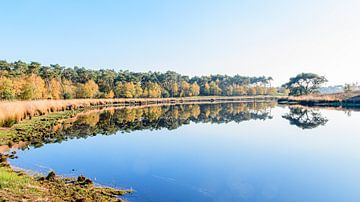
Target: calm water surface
[{"x": 211, "y": 152}]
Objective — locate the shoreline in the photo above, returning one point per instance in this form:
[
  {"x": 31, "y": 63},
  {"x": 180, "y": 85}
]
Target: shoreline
[
  {"x": 320, "y": 103},
  {"x": 19, "y": 185},
  {"x": 344, "y": 99}
]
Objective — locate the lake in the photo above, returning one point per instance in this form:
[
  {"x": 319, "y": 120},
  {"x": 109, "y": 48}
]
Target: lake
[{"x": 209, "y": 152}]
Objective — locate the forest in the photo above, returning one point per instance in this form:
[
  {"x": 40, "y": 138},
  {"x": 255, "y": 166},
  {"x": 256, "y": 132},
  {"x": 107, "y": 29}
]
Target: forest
[{"x": 29, "y": 81}]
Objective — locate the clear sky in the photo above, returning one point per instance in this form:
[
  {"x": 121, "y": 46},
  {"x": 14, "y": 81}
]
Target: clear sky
[{"x": 275, "y": 38}]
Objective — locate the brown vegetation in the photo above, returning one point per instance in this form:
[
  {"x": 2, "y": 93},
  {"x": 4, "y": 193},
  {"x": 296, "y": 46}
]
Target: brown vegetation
[
  {"x": 345, "y": 99},
  {"x": 326, "y": 97},
  {"x": 15, "y": 111}
]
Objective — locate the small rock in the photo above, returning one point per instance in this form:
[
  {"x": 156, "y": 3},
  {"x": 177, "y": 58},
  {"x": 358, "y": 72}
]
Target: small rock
[
  {"x": 51, "y": 176},
  {"x": 88, "y": 181},
  {"x": 81, "y": 178}
]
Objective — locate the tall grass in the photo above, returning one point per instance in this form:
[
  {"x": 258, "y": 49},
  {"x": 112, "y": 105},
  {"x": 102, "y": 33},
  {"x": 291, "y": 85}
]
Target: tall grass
[
  {"x": 326, "y": 97},
  {"x": 14, "y": 111}
]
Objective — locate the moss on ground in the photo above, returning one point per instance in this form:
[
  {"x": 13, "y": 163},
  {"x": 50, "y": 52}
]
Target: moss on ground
[
  {"x": 33, "y": 130},
  {"x": 18, "y": 186}
]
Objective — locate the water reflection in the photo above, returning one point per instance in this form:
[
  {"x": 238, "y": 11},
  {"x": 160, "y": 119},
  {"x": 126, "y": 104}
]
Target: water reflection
[
  {"x": 250, "y": 161},
  {"x": 112, "y": 120},
  {"x": 305, "y": 118}
]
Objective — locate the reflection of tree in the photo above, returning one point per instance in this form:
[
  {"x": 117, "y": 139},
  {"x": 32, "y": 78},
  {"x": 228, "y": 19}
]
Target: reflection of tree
[
  {"x": 305, "y": 118},
  {"x": 109, "y": 122}
]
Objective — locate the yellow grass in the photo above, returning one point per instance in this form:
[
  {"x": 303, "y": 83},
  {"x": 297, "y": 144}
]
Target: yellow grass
[
  {"x": 326, "y": 97},
  {"x": 19, "y": 110}
]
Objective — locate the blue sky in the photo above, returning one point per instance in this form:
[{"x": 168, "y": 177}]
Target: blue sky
[{"x": 255, "y": 37}]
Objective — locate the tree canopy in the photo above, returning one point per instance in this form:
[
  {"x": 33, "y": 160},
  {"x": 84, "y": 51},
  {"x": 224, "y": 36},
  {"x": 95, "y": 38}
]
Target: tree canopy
[
  {"x": 20, "y": 80},
  {"x": 304, "y": 84}
]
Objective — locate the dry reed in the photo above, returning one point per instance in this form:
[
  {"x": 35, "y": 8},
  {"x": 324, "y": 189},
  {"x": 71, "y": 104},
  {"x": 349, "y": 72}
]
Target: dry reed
[
  {"x": 15, "y": 111},
  {"x": 326, "y": 97}
]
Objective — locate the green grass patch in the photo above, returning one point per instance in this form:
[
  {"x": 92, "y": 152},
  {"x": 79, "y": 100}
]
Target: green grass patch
[
  {"x": 33, "y": 129},
  {"x": 17, "y": 185}
]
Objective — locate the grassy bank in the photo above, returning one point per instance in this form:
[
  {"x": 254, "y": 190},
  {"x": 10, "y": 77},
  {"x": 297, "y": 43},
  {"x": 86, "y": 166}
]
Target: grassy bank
[
  {"x": 33, "y": 130},
  {"x": 351, "y": 99},
  {"x": 18, "y": 186}
]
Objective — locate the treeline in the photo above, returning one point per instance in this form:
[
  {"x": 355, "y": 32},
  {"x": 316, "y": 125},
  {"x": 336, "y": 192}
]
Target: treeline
[{"x": 20, "y": 80}]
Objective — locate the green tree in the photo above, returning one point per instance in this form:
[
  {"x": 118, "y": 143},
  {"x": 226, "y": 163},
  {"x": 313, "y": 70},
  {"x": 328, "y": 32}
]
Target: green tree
[
  {"x": 349, "y": 87},
  {"x": 304, "y": 84},
  {"x": 214, "y": 89},
  {"x": 20, "y": 68},
  {"x": 7, "y": 91},
  {"x": 125, "y": 90},
  {"x": 206, "y": 89},
  {"x": 229, "y": 90},
  {"x": 105, "y": 79},
  {"x": 5, "y": 67},
  {"x": 284, "y": 91},
  {"x": 34, "y": 68}
]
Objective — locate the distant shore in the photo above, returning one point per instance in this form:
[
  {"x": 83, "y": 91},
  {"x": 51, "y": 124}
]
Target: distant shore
[{"x": 350, "y": 99}]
